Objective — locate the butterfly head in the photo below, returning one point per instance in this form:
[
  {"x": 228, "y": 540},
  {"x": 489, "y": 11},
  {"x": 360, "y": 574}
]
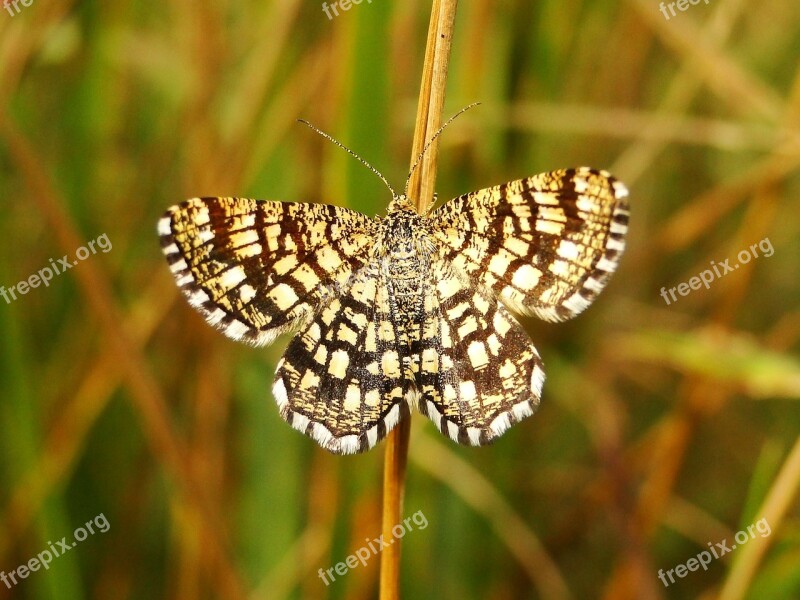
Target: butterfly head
[{"x": 400, "y": 202}]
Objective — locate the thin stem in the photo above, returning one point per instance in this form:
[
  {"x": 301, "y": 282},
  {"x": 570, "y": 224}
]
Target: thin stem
[
  {"x": 432, "y": 140},
  {"x": 431, "y": 101},
  {"x": 394, "y": 481},
  {"x": 420, "y": 191},
  {"x": 774, "y": 510}
]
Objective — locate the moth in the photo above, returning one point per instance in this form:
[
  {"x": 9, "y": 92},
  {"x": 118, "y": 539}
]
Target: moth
[{"x": 407, "y": 311}]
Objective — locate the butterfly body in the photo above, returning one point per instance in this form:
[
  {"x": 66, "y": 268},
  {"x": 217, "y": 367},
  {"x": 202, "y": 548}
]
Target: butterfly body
[
  {"x": 407, "y": 311},
  {"x": 404, "y": 249}
]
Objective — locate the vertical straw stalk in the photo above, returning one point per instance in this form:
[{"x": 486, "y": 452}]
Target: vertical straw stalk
[{"x": 420, "y": 190}]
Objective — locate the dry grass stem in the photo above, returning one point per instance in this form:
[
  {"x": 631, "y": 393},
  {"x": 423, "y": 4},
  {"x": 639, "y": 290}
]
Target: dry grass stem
[{"x": 421, "y": 186}]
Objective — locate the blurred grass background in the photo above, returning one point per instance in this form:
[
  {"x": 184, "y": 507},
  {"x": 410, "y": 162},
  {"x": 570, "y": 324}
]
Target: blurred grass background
[{"x": 662, "y": 428}]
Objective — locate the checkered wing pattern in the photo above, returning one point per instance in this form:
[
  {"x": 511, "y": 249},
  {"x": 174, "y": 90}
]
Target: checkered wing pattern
[
  {"x": 546, "y": 245},
  {"x": 344, "y": 380},
  {"x": 257, "y": 269},
  {"x": 477, "y": 371}
]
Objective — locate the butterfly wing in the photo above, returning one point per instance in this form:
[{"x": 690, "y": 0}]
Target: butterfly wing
[
  {"x": 256, "y": 269},
  {"x": 546, "y": 245},
  {"x": 345, "y": 380},
  {"x": 478, "y": 372}
]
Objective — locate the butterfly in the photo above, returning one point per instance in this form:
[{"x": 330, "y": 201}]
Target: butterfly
[{"x": 405, "y": 311}]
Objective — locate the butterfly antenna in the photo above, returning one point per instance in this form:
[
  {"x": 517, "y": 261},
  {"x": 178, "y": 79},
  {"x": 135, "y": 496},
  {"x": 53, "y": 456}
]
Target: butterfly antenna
[
  {"x": 433, "y": 139},
  {"x": 353, "y": 154}
]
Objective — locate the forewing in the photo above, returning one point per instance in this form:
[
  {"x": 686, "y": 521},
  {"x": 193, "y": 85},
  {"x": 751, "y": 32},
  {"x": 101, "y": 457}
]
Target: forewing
[
  {"x": 256, "y": 269},
  {"x": 478, "y": 372},
  {"x": 546, "y": 245},
  {"x": 345, "y": 380}
]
